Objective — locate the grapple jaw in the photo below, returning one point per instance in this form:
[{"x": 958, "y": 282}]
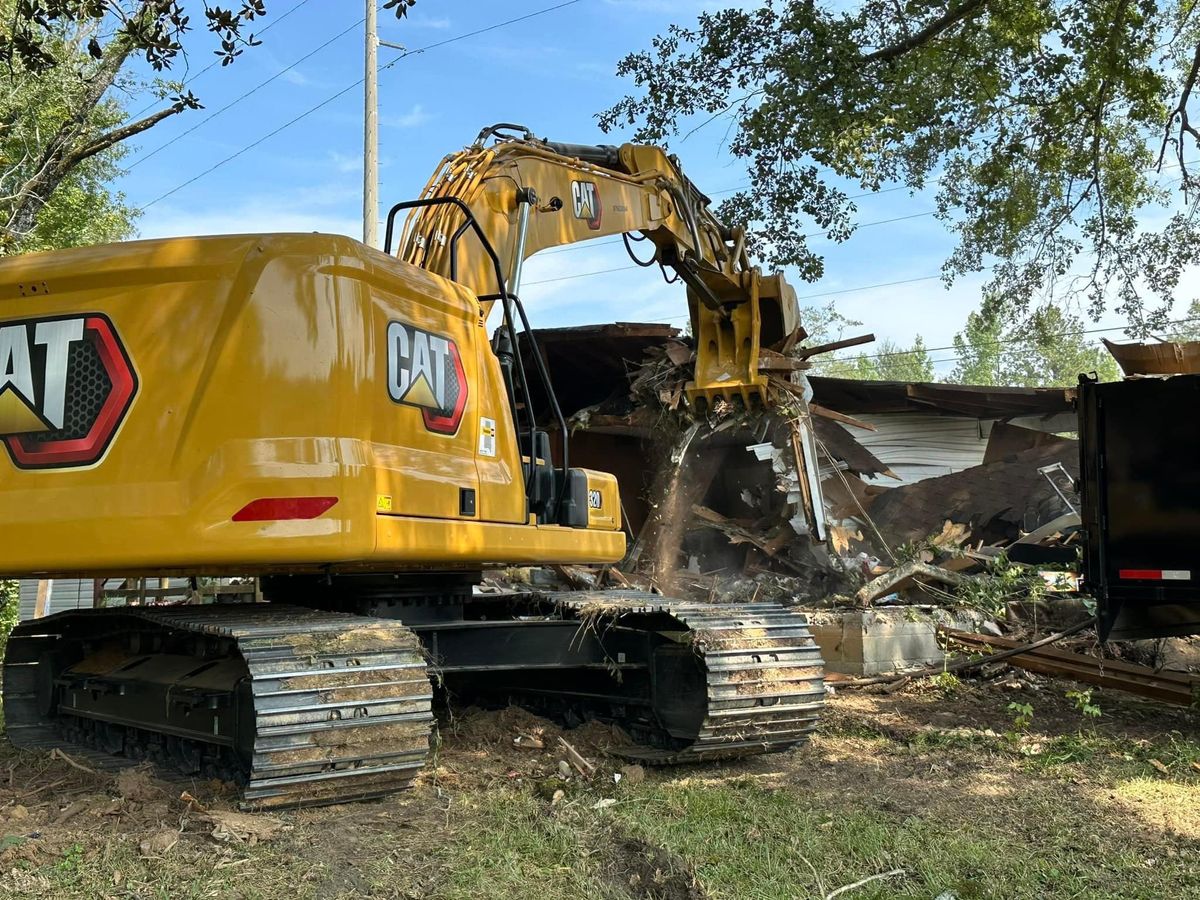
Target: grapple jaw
[{"x": 729, "y": 339}]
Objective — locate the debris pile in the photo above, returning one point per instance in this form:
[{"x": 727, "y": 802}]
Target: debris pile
[{"x": 836, "y": 491}]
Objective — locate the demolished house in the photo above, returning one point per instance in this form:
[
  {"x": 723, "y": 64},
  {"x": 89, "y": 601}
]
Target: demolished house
[{"x": 834, "y": 475}]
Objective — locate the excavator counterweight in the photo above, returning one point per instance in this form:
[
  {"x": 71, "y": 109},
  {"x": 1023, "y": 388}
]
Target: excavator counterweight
[{"x": 335, "y": 421}]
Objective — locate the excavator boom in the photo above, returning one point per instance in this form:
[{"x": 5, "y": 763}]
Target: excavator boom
[{"x": 530, "y": 194}]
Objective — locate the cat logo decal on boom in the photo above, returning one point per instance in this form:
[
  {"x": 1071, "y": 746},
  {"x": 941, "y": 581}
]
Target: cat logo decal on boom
[
  {"x": 425, "y": 370},
  {"x": 586, "y": 202},
  {"x": 66, "y": 383}
]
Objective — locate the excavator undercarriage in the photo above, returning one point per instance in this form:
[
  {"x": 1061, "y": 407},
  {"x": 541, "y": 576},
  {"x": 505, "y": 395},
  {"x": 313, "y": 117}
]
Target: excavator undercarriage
[{"x": 307, "y": 706}]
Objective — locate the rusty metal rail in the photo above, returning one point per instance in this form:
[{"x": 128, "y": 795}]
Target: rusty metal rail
[{"x": 1179, "y": 688}]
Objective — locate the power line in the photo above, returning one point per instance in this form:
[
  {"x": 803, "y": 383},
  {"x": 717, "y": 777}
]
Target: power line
[
  {"x": 216, "y": 62},
  {"x": 254, "y": 90},
  {"x": 580, "y": 275},
  {"x": 350, "y": 87},
  {"x": 869, "y": 287}
]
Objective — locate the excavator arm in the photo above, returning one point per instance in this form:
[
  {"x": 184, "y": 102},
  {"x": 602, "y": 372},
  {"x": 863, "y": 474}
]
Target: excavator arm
[{"x": 528, "y": 194}]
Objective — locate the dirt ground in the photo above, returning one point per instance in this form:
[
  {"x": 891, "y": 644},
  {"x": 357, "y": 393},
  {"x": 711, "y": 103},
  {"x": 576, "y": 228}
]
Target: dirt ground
[{"x": 943, "y": 790}]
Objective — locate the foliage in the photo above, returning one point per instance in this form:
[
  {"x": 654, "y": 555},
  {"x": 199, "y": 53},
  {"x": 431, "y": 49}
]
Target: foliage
[
  {"x": 1041, "y": 126},
  {"x": 947, "y": 682},
  {"x": 83, "y": 210},
  {"x": 152, "y": 28},
  {"x": 888, "y": 361},
  {"x": 73, "y": 52},
  {"x": 1083, "y": 703},
  {"x": 1005, "y": 581},
  {"x": 1022, "y": 714},
  {"x": 1188, "y": 328},
  {"x": 1044, "y": 348},
  {"x": 10, "y": 611}
]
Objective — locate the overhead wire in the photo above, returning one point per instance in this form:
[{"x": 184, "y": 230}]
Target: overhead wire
[
  {"x": 232, "y": 103},
  {"x": 191, "y": 79},
  {"x": 308, "y": 112}
]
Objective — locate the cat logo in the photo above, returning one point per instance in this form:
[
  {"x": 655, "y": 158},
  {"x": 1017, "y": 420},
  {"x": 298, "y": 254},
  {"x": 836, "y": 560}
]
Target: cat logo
[
  {"x": 586, "y": 200},
  {"x": 65, "y": 386},
  {"x": 425, "y": 370}
]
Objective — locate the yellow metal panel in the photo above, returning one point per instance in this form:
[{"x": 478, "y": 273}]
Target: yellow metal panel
[
  {"x": 426, "y": 541},
  {"x": 604, "y": 501},
  {"x": 273, "y": 366}
]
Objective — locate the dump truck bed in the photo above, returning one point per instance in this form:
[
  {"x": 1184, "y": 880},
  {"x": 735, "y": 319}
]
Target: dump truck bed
[{"x": 1140, "y": 486}]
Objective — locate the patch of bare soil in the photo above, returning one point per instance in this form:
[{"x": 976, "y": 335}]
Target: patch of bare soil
[
  {"x": 647, "y": 872},
  {"x": 512, "y": 743}
]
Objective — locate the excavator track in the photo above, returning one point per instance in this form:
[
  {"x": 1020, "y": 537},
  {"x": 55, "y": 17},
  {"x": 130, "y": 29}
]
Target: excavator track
[
  {"x": 306, "y": 707},
  {"x": 690, "y": 682},
  {"x": 301, "y": 706},
  {"x": 764, "y": 675}
]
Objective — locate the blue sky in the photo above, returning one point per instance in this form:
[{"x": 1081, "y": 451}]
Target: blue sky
[{"x": 553, "y": 73}]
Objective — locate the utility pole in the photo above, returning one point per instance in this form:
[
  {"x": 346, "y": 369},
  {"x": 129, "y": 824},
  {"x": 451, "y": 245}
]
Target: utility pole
[{"x": 371, "y": 132}]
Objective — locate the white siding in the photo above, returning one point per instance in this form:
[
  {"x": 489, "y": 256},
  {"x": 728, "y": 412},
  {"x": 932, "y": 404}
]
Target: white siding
[
  {"x": 917, "y": 446},
  {"x": 65, "y": 593}
]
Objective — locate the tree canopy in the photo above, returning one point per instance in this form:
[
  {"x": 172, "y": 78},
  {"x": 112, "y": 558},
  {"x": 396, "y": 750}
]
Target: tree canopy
[
  {"x": 1044, "y": 126},
  {"x": 1049, "y": 348},
  {"x": 885, "y": 361},
  {"x": 84, "y": 47},
  {"x": 83, "y": 209}
]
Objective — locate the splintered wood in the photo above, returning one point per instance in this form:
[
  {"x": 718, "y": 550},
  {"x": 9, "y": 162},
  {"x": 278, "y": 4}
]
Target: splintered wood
[{"x": 586, "y": 769}]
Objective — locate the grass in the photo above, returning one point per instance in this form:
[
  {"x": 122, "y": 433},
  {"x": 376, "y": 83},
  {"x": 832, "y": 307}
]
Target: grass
[
  {"x": 760, "y": 844},
  {"x": 973, "y": 809}
]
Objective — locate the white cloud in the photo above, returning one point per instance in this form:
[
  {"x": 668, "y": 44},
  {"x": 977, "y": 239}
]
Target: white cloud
[
  {"x": 254, "y": 215},
  {"x": 439, "y": 24},
  {"x": 344, "y": 162},
  {"x": 414, "y": 118}
]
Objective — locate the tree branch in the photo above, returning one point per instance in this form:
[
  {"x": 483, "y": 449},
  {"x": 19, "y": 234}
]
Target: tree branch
[
  {"x": 104, "y": 141},
  {"x": 929, "y": 32},
  {"x": 1179, "y": 114}
]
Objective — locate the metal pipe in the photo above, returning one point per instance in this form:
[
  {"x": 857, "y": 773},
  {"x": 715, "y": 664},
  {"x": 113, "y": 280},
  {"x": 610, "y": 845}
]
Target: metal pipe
[{"x": 525, "y": 200}]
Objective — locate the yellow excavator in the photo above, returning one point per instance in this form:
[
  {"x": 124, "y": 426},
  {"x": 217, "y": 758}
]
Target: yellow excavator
[{"x": 334, "y": 421}]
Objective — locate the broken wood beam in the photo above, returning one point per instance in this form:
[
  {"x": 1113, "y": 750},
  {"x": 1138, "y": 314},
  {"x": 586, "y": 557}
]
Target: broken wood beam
[
  {"x": 817, "y": 410},
  {"x": 740, "y": 535},
  {"x": 1171, "y": 687},
  {"x": 806, "y": 352},
  {"x": 770, "y": 361},
  {"x": 577, "y": 577},
  {"x": 891, "y": 580}
]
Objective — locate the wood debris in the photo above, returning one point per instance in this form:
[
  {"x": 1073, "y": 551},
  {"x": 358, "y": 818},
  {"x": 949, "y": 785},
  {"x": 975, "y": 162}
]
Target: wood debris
[{"x": 584, "y": 767}]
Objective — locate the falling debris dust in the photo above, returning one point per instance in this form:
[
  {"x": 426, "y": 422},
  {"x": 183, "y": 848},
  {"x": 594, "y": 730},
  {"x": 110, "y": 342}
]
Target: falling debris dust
[{"x": 673, "y": 512}]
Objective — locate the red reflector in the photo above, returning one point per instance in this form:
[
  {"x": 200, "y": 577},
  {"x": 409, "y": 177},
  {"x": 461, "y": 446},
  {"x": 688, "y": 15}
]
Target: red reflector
[
  {"x": 271, "y": 509},
  {"x": 1141, "y": 574}
]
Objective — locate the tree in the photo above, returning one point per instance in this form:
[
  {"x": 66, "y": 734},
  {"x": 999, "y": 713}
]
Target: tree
[
  {"x": 1048, "y": 348},
  {"x": 1041, "y": 122},
  {"x": 85, "y": 45},
  {"x": 825, "y": 324},
  {"x": 888, "y": 361},
  {"x": 83, "y": 210},
  {"x": 1187, "y": 329}
]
